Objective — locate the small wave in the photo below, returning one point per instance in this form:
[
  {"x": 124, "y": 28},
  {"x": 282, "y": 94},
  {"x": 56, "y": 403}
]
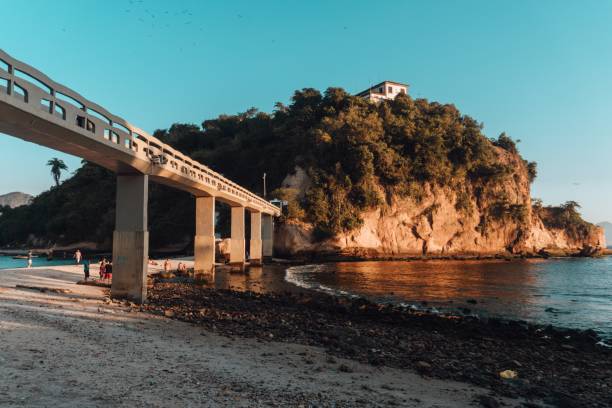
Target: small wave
[
  {"x": 603, "y": 343},
  {"x": 296, "y": 276},
  {"x": 554, "y": 310}
]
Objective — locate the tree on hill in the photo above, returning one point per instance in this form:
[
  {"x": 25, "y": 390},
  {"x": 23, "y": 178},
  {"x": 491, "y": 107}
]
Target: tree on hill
[{"x": 57, "y": 166}]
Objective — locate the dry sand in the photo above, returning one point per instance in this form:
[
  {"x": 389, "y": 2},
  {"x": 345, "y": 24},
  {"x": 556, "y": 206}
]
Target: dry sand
[{"x": 81, "y": 350}]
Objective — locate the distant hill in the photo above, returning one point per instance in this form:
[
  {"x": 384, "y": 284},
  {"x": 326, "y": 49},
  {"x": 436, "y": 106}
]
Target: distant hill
[
  {"x": 16, "y": 199},
  {"x": 607, "y": 226}
]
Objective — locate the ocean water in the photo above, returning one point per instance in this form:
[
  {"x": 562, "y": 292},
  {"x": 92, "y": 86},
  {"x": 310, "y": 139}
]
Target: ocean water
[
  {"x": 573, "y": 292},
  {"x": 570, "y": 292},
  {"x": 7, "y": 262}
]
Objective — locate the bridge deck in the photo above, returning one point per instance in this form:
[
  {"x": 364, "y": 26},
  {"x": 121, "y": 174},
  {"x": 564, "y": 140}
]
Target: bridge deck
[{"x": 37, "y": 109}]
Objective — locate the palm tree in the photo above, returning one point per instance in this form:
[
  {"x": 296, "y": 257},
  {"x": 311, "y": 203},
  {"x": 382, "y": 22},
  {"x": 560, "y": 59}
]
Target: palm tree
[{"x": 57, "y": 166}]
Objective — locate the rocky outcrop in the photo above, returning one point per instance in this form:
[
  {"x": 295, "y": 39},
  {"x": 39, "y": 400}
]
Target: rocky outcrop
[
  {"x": 607, "y": 226},
  {"x": 472, "y": 219}
]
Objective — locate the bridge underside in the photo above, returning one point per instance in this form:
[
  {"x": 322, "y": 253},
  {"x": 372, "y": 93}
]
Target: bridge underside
[
  {"x": 17, "y": 123},
  {"x": 32, "y": 110},
  {"x": 21, "y": 124},
  {"x": 130, "y": 239}
]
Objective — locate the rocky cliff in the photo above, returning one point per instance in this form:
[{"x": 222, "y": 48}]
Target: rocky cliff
[
  {"x": 607, "y": 227},
  {"x": 459, "y": 219}
]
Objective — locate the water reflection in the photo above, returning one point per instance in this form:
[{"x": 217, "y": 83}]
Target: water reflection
[
  {"x": 565, "y": 292},
  {"x": 269, "y": 278},
  {"x": 437, "y": 281}
]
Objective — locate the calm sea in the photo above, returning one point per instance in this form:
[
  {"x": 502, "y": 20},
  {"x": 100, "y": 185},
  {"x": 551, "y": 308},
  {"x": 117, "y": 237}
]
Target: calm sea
[
  {"x": 574, "y": 293},
  {"x": 7, "y": 262}
]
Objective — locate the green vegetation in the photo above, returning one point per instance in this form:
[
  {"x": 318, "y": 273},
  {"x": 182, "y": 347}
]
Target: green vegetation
[
  {"x": 565, "y": 216},
  {"x": 358, "y": 155},
  {"x": 505, "y": 142},
  {"x": 532, "y": 171},
  {"x": 290, "y": 195},
  {"x": 82, "y": 208},
  {"x": 57, "y": 166}
]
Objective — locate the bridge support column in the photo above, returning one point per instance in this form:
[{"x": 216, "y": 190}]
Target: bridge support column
[
  {"x": 267, "y": 235},
  {"x": 237, "y": 255},
  {"x": 255, "y": 247},
  {"x": 131, "y": 238},
  {"x": 204, "y": 242}
]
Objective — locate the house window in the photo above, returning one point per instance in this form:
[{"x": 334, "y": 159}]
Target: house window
[
  {"x": 380, "y": 90},
  {"x": 390, "y": 89}
]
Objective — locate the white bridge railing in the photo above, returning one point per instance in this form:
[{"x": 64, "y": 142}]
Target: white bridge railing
[{"x": 29, "y": 86}]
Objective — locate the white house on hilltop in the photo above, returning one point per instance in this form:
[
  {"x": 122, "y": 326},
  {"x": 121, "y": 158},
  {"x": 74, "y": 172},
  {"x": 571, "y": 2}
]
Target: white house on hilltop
[{"x": 384, "y": 90}]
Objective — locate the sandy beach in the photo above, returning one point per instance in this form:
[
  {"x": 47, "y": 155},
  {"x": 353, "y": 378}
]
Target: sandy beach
[{"x": 78, "y": 349}]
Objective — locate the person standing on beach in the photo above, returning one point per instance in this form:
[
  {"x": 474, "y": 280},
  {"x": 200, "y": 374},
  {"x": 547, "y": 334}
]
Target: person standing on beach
[
  {"x": 86, "y": 269},
  {"x": 29, "y": 259},
  {"x": 108, "y": 271},
  {"x": 102, "y": 268},
  {"x": 166, "y": 266},
  {"x": 78, "y": 256}
]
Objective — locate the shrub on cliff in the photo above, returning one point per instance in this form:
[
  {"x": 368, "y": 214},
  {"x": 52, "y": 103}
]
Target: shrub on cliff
[
  {"x": 565, "y": 217},
  {"x": 293, "y": 209}
]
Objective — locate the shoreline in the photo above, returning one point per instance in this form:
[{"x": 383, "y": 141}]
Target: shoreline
[
  {"x": 354, "y": 256},
  {"x": 453, "y": 308},
  {"x": 553, "y": 364},
  {"x": 337, "y": 257},
  {"x": 459, "y": 306},
  {"x": 88, "y": 350},
  {"x": 418, "y": 308},
  {"x": 369, "y": 354}
]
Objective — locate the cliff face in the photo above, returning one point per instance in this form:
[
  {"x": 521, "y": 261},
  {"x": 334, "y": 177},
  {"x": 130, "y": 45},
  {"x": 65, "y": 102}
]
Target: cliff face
[
  {"x": 476, "y": 218},
  {"x": 607, "y": 227}
]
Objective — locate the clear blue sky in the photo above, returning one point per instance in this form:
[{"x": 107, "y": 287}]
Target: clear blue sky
[{"x": 539, "y": 70}]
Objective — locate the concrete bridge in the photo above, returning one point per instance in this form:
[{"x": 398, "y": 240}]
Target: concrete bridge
[{"x": 37, "y": 109}]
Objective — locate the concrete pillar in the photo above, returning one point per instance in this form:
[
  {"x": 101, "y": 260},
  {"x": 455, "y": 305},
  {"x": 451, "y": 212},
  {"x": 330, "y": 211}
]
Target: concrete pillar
[
  {"x": 267, "y": 235},
  {"x": 131, "y": 239},
  {"x": 204, "y": 242},
  {"x": 237, "y": 255},
  {"x": 255, "y": 250}
]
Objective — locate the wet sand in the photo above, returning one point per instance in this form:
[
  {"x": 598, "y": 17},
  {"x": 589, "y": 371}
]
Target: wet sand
[{"x": 79, "y": 349}]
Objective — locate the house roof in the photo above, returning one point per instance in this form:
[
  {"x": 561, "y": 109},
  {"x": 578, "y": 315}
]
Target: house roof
[{"x": 369, "y": 90}]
